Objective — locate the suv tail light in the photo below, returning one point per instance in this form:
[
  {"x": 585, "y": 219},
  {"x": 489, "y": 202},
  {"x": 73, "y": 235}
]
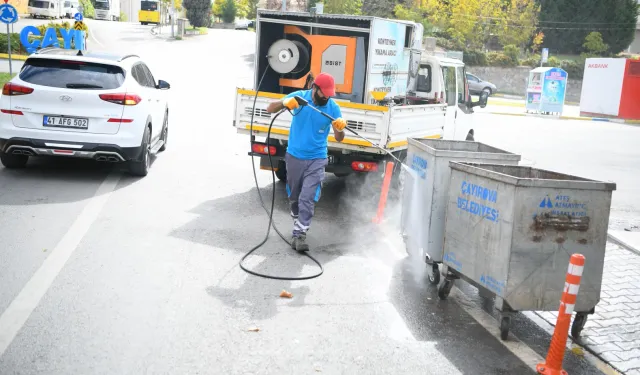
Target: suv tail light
[
  {"x": 364, "y": 166},
  {"x": 122, "y": 99},
  {"x": 261, "y": 148},
  {"x": 11, "y": 89}
]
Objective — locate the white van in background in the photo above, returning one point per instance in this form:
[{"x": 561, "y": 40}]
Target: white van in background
[
  {"x": 71, "y": 8},
  {"x": 46, "y": 8}
]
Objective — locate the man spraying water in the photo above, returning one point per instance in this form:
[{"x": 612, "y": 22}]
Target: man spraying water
[{"x": 306, "y": 156}]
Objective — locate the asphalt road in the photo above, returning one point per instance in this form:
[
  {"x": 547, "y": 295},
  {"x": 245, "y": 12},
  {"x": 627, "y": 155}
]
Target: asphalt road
[{"x": 103, "y": 273}]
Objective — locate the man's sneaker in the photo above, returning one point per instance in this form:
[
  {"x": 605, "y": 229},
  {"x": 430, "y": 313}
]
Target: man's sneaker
[{"x": 299, "y": 243}]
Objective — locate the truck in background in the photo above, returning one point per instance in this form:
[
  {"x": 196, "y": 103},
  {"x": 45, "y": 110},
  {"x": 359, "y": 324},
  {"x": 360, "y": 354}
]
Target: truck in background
[
  {"x": 387, "y": 88},
  {"x": 46, "y": 9},
  {"x": 107, "y": 10}
]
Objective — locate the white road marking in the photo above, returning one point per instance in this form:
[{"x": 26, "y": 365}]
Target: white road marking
[{"x": 15, "y": 316}]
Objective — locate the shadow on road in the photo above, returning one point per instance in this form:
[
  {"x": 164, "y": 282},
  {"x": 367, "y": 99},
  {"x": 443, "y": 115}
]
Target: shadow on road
[{"x": 53, "y": 180}]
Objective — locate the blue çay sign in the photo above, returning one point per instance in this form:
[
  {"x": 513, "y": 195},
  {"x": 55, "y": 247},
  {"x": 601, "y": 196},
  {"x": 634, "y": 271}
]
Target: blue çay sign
[
  {"x": 8, "y": 13},
  {"x": 50, "y": 38}
]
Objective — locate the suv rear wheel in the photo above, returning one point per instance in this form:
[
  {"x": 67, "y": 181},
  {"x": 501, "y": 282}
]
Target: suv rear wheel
[
  {"x": 141, "y": 167},
  {"x": 13, "y": 161}
]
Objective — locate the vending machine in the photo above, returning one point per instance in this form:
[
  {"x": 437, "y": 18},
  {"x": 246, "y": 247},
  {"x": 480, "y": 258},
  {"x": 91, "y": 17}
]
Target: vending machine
[{"x": 546, "y": 89}]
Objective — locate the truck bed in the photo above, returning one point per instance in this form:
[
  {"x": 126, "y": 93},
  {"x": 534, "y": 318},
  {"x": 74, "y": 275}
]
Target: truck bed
[{"x": 387, "y": 126}]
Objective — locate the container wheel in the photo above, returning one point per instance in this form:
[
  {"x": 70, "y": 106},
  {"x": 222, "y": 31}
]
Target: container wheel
[
  {"x": 578, "y": 324},
  {"x": 505, "y": 323},
  {"x": 445, "y": 288},
  {"x": 434, "y": 276}
]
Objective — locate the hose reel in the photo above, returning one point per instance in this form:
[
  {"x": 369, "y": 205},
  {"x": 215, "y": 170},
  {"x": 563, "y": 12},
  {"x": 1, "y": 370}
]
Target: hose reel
[{"x": 288, "y": 56}]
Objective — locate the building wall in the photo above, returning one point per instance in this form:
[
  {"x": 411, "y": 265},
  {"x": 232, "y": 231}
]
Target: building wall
[
  {"x": 635, "y": 45},
  {"x": 21, "y": 6}
]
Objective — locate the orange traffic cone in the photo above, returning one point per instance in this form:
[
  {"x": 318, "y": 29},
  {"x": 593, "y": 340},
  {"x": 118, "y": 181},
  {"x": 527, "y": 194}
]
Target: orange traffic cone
[
  {"x": 553, "y": 365},
  {"x": 385, "y": 191}
]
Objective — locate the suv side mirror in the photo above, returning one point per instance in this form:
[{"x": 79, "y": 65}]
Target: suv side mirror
[{"x": 163, "y": 85}]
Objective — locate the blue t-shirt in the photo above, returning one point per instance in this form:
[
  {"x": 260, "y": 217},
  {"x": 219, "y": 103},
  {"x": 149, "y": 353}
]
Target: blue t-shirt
[{"x": 309, "y": 129}]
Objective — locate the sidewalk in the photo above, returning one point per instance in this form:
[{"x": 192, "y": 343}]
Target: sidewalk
[
  {"x": 613, "y": 331},
  {"x": 515, "y": 107}
]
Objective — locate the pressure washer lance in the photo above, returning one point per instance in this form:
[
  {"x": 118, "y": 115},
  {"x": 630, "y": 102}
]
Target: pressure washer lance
[{"x": 302, "y": 102}]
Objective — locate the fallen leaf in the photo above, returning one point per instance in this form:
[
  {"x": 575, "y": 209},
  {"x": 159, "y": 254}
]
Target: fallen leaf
[
  {"x": 285, "y": 294},
  {"x": 577, "y": 351},
  {"x": 254, "y": 329}
]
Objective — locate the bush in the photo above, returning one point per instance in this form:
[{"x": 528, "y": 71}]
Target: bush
[
  {"x": 532, "y": 61},
  {"x": 123, "y": 17},
  {"x": 553, "y": 61},
  {"x": 16, "y": 46},
  {"x": 475, "y": 58},
  {"x": 63, "y": 25},
  {"x": 499, "y": 59},
  {"x": 449, "y": 44},
  {"x": 513, "y": 53},
  {"x": 575, "y": 69}
]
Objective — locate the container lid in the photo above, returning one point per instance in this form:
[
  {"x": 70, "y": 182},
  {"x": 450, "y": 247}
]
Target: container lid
[
  {"x": 530, "y": 177},
  {"x": 461, "y": 149}
]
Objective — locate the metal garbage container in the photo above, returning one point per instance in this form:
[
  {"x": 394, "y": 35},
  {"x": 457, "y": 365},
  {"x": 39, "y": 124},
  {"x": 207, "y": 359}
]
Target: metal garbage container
[
  {"x": 511, "y": 230},
  {"x": 425, "y": 195}
]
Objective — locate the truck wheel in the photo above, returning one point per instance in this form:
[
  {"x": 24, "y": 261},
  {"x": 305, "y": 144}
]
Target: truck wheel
[{"x": 281, "y": 173}]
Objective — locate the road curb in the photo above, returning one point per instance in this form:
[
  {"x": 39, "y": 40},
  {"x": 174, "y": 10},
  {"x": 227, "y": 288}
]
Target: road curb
[
  {"x": 13, "y": 57},
  {"x": 618, "y": 241},
  {"x": 600, "y": 119}
]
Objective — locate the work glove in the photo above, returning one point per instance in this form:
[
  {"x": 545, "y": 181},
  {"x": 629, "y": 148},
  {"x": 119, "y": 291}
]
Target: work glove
[
  {"x": 290, "y": 103},
  {"x": 339, "y": 124}
]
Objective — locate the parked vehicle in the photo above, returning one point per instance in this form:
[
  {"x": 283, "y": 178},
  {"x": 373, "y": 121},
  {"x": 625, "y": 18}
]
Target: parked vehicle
[
  {"x": 477, "y": 85},
  {"x": 71, "y": 7},
  {"x": 423, "y": 96},
  {"x": 93, "y": 106},
  {"x": 149, "y": 12},
  {"x": 46, "y": 9},
  {"x": 107, "y": 10}
]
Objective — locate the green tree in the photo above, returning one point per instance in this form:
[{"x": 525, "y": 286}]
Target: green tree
[
  {"x": 198, "y": 12},
  {"x": 242, "y": 8},
  {"x": 594, "y": 45},
  {"x": 229, "y": 11},
  {"x": 217, "y": 7},
  {"x": 614, "y": 19},
  {"x": 253, "y": 9},
  {"x": 343, "y": 6}
]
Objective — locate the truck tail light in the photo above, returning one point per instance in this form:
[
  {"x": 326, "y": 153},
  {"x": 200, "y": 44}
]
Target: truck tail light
[
  {"x": 11, "y": 89},
  {"x": 122, "y": 99},
  {"x": 364, "y": 166},
  {"x": 261, "y": 148}
]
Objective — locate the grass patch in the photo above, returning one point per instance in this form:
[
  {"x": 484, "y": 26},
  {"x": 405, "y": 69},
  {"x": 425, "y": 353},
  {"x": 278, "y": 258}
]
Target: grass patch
[{"x": 5, "y": 77}]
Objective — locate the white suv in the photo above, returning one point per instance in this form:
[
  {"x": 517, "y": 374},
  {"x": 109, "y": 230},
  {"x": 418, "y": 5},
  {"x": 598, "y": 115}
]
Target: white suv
[{"x": 84, "y": 105}]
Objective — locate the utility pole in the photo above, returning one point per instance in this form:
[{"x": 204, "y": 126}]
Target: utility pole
[{"x": 173, "y": 16}]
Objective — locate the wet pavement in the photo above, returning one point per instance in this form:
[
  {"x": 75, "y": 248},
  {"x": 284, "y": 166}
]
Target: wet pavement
[{"x": 141, "y": 275}]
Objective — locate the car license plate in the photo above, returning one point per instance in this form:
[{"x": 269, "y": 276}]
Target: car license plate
[{"x": 66, "y": 122}]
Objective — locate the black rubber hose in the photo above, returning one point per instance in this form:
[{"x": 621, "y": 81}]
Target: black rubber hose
[{"x": 273, "y": 199}]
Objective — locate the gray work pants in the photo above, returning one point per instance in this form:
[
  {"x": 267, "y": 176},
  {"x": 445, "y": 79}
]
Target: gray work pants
[{"x": 304, "y": 183}]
